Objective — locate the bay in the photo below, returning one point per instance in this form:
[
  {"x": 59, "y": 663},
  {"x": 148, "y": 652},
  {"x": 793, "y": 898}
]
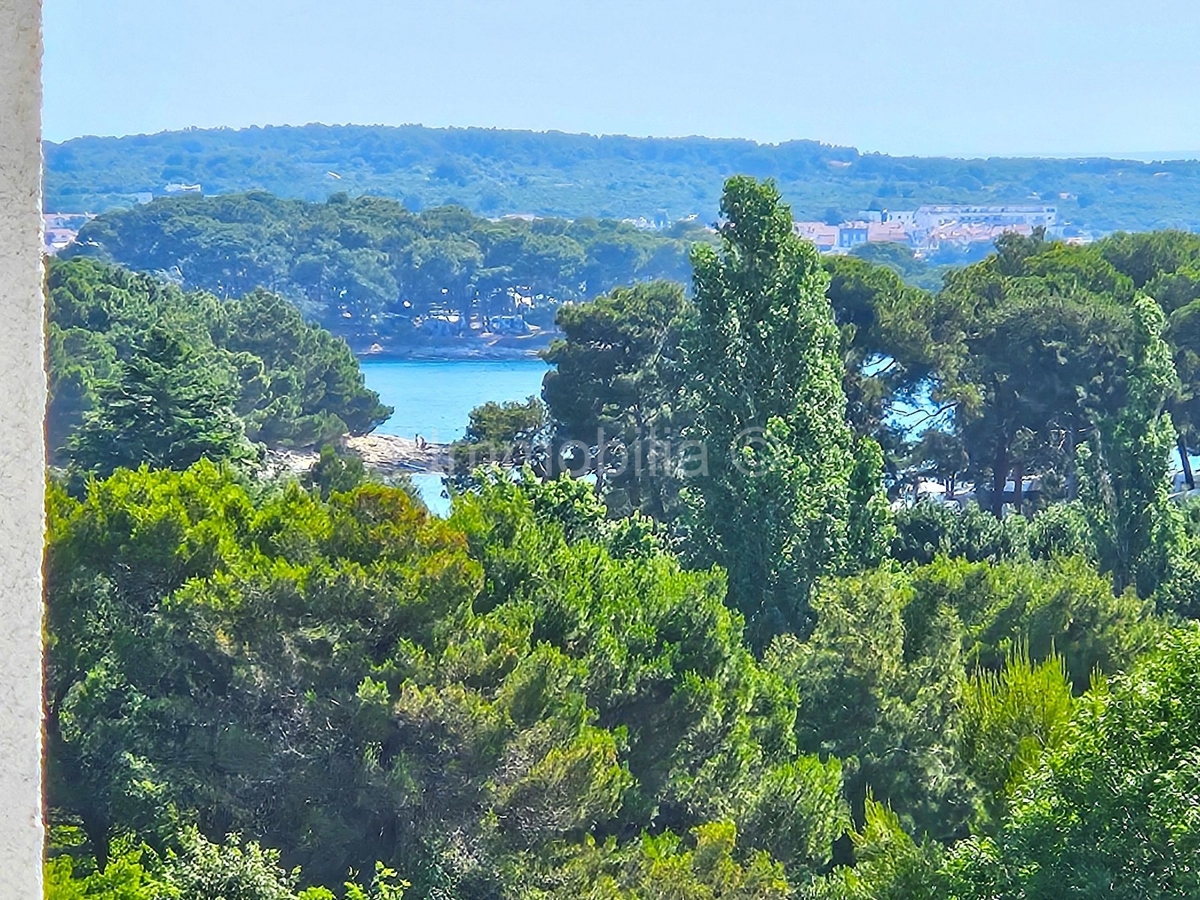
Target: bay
[{"x": 434, "y": 398}]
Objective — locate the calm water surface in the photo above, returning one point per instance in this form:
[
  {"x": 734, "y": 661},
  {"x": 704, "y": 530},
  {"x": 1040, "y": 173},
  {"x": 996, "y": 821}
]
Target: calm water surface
[{"x": 433, "y": 398}]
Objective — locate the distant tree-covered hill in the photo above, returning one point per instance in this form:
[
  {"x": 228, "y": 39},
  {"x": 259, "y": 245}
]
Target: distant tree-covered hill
[
  {"x": 493, "y": 172},
  {"x": 367, "y": 267}
]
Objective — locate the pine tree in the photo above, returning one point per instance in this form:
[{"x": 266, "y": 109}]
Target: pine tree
[{"x": 165, "y": 409}]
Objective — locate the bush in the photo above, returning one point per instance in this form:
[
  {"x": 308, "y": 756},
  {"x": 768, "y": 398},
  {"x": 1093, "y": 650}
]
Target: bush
[
  {"x": 1113, "y": 810},
  {"x": 928, "y": 529},
  {"x": 202, "y": 870}
]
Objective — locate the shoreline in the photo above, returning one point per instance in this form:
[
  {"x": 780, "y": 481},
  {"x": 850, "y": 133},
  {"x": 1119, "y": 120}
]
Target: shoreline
[
  {"x": 527, "y": 347},
  {"x": 442, "y": 354},
  {"x": 388, "y": 454}
]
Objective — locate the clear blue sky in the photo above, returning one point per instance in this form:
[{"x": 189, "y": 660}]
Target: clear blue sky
[{"x": 961, "y": 77}]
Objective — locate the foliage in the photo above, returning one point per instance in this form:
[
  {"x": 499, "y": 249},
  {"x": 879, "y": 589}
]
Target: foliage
[
  {"x": 883, "y": 700},
  {"x": 350, "y": 680},
  {"x": 230, "y": 871},
  {"x": 289, "y": 383},
  {"x": 1146, "y": 258},
  {"x": 127, "y": 876},
  {"x": 1058, "y": 606},
  {"x": 537, "y": 697},
  {"x": 927, "y": 530},
  {"x": 509, "y": 434},
  {"x": 907, "y": 674},
  {"x": 665, "y": 867},
  {"x": 763, "y": 380},
  {"x": 668, "y": 724},
  {"x": 889, "y": 865},
  {"x": 1183, "y": 334},
  {"x": 613, "y": 392},
  {"x": 887, "y": 348},
  {"x": 178, "y": 603},
  {"x": 1127, "y": 465},
  {"x": 199, "y": 870},
  {"x": 385, "y": 885},
  {"x": 1042, "y": 346},
  {"x": 1179, "y": 594},
  {"x": 1113, "y": 809},
  {"x": 368, "y": 268},
  {"x": 1031, "y": 342},
  {"x": 161, "y": 410},
  {"x": 494, "y": 172},
  {"x": 870, "y": 526},
  {"x": 1011, "y": 717},
  {"x": 335, "y": 471},
  {"x": 904, "y": 262}
]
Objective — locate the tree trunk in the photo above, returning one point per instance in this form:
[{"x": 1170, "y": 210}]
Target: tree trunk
[
  {"x": 97, "y": 835},
  {"x": 1073, "y": 469},
  {"x": 999, "y": 476},
  {"x": 1019, "y": 486}
]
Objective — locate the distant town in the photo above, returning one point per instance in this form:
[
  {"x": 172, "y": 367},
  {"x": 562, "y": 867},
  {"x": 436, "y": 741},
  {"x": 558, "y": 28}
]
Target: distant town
[
  {"x": 925, "y": 230},
  {"x": 930, "y": 229}
]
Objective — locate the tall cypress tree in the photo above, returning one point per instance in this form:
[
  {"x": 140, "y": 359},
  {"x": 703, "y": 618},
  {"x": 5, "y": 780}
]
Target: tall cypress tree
[
  {"x": 765, "y": 388},
  {"x": 1126, "y": 463}
]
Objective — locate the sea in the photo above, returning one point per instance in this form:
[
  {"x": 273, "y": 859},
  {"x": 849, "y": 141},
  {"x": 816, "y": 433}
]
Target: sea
[{"x": 433, "y": 398}]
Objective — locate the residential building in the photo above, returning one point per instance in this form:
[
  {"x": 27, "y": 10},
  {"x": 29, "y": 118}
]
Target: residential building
[
  {"x": 824, "y": 236},
  {"x": 851, "y": 234},
  {"x": 61, "y": 229},
  {"x": 961, "y": 235},
  {"x": 508, "y": 325},
  {"x": 927, "y": 218},
  {"x": 888, "y": 232}
]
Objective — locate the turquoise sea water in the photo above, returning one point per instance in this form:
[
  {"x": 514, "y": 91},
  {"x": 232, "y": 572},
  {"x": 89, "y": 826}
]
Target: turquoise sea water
[{"x": 433, "y": 398}]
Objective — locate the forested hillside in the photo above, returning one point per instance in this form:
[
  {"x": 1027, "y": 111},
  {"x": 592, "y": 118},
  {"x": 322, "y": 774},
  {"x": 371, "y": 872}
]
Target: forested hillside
[
  {"x": 724, "y": 666},
  {"x": 494, "y": 172},
  {"x": 367, "y": 267}
]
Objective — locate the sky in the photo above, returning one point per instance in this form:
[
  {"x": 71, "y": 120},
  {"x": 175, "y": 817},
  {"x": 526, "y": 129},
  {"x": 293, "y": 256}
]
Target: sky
[{"x": 923, "y": 77}]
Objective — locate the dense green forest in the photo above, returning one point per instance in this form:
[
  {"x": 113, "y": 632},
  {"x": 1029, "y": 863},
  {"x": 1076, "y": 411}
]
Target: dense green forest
[
  {"x": 725, "y": 666},
  {"x": 366, "y": 267},
  {"x": 493, "y": 172},
  {"x": 142, "y": 372}
]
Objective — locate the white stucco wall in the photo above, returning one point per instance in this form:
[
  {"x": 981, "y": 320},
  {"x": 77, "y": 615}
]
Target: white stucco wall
[{"x": 22, "y": 454}]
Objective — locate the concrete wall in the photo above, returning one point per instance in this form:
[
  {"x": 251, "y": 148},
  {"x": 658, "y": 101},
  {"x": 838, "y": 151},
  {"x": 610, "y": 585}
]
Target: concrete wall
[{"x": 22, "y": 454}]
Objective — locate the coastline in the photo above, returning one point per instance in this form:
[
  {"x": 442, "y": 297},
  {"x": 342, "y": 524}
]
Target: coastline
[
  {"x": 387, "y": 454},
  {"x": 444, "y": 354},
  {"x": 500, "y": 348}
]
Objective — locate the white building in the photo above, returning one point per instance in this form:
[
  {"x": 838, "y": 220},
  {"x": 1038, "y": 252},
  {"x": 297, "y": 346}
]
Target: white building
[{"x": 927, "y": 218}]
